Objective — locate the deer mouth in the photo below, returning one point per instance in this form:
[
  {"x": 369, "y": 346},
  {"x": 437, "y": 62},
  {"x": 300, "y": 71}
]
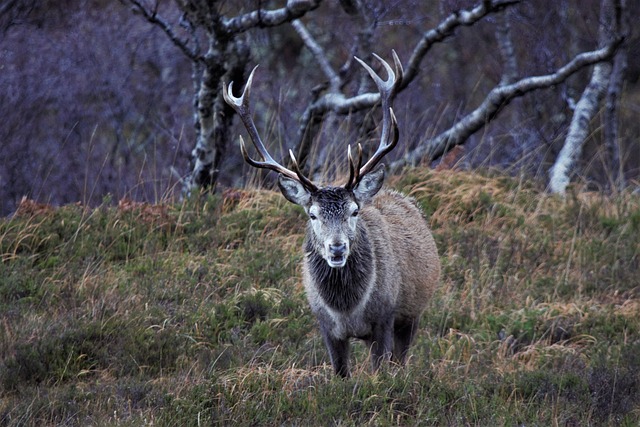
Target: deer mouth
[{"x": 337, "y": 261}]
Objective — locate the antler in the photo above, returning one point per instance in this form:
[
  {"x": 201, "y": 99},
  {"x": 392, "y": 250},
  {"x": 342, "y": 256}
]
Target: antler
[
  {"x": 241, "y": 107},
  {"x": 389, "y": 135}
]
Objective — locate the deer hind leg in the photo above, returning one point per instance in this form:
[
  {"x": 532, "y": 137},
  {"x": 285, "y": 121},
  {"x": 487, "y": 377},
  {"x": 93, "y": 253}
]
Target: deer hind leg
[{"x": 404, "y": 333}]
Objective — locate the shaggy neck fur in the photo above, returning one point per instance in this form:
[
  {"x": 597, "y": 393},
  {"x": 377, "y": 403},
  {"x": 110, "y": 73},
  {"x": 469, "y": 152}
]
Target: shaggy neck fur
[{"x": 343, "y": 288}]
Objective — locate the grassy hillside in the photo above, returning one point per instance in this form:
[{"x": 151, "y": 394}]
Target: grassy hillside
[{"x": 194, "y": 314}]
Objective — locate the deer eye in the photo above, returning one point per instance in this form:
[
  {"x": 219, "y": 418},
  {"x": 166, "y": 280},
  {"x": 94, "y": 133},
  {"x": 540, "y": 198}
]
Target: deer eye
[
  {"x": 355, "y": 213},
  {"x": 312, "y": 217}
]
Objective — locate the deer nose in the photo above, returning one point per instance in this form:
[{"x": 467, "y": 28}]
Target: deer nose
[{"x": 338, "y": 250}]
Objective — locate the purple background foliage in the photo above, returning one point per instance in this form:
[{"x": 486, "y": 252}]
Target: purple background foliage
[{"x": 95, "y": 101}]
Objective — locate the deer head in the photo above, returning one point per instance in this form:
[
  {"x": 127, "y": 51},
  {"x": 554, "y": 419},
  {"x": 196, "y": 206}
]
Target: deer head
[{"x": 333, "y": 211}]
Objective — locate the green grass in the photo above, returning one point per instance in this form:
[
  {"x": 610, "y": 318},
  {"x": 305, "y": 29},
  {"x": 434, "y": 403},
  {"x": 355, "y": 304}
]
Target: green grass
[{"x": 194, "y": 314}]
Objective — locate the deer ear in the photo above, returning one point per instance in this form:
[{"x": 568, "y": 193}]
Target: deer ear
[
  {"x": 369, "y": 184},
  {"x": 294, "y": 191}
]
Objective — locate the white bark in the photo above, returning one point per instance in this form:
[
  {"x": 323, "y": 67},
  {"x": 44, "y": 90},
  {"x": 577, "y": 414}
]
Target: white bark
[
  {"x": 270, "y": 18},
  {"x": 507, "y": 50},
  {"x": 225, "y": 58},
  {"x": 445, "y": 30},
  {"x": 496, "y": 100},
  {"x": 586, "y": 108},
  {"x": 508, "y": 89},
  {"x": 334, "y": 99}
]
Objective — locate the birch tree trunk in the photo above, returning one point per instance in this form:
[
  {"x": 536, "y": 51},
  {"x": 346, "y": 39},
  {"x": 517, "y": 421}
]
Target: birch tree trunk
[
  {"x": 213, "y": 116},
  {"x": 611, "y": 133},
  {"x": 586, "y": 108},
  {"x": 616, "y": 82},
  {"x": 226, "y": 57}
]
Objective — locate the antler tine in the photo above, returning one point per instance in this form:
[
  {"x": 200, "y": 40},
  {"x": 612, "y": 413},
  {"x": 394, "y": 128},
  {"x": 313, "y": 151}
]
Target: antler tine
[
  {"x": 354, "y": 168},
  {"x": 399, "y": 69},
  {"x": 242, "y": 108},
  {"x": 306, "y": 182},
  {"x": 387, "y": 89}
]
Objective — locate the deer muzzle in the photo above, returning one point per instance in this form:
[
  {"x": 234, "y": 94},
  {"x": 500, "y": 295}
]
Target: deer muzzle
[{"x": 337, "y": 254}]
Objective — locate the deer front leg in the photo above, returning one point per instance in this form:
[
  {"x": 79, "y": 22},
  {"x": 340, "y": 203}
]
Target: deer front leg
[
  {"x": 338, "y": 352},
  {"x": 381, "y": 343}
]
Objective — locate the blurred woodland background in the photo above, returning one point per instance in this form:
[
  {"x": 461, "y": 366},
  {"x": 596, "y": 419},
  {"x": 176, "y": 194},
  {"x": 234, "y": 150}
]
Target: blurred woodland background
[{"x": 103, "y": 99}]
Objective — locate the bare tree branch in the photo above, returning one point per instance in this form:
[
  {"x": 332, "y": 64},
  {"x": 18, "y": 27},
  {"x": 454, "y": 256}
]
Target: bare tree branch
[
  {"x": 445, "y": 30},
  {"x": 14, "y": 12},
  {"x": 155, "y": 19},
  {"x": 496, "y": 100},
  {"x": 314, "y": 115},
  {"x": 338, "y": 103},
  {"x": 270, "y": 18},
  {"x": 334, "y": 79},
  {"x": 335, "y": 101}
]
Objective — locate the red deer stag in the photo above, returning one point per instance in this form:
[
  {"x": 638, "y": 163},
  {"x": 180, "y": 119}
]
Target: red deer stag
[{"x": 370, "y": 261}]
